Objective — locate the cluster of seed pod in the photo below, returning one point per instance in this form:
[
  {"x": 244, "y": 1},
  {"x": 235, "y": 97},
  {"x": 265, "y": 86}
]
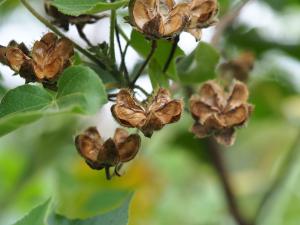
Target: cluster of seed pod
[
  {"x": 148, "y": 117},
  {"x": 47, "y": 59}
]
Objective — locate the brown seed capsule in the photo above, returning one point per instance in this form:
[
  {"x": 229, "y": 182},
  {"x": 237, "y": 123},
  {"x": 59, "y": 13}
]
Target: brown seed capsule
[
  {"x": 153, "y": 116},
  {"x": 165, "y": 19},
  {"x": 238, "y": 68},
  {"x": 51, "y": 56},
  {"x": 101, "y": 154},
  {"x": 202, "y": 15},
  {"x": 218, "y": 113}
]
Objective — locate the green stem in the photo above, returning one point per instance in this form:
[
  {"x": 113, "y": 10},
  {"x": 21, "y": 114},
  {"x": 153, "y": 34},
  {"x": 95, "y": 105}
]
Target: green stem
[
  {"x": 112, "y": 36},
  {"x": 55, "y": 30}
]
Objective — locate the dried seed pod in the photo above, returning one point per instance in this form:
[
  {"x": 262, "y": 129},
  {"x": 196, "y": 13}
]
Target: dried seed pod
[
  {"x": 165, "y": 19},
  {"x": 101, "y": 154},
  {"x": 51, "y": 56},
  {"x": 16, "y": 56},
  {"x": 203, "y": 14},
  {"x": 218, "y": 113},
  {"x": 158, "y": 19},
  {"x": 153, "y": 116},
  {"x": 238, "y": 68}
]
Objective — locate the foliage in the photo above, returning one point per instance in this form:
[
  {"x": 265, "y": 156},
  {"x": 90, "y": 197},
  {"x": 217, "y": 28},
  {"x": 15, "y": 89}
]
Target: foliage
[{"x": 175, "y": 177}]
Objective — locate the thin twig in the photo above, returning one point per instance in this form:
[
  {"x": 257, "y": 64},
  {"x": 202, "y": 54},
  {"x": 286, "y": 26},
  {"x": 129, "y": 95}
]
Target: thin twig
[
  {"x": 123, "y": 67},
  {"x": 55, "y": 30},
  {"x": 218, "y": 162},
  {"x": 171, "y": 54},
  {"x": 140, "y": 71},
  {"x": 284, "y": 173},
  {"x": 226, "y": 21},
  {"x": 122, "y": 33},
  {"x": 142, "y": 90},
  {"x": 112, "y": 35}
]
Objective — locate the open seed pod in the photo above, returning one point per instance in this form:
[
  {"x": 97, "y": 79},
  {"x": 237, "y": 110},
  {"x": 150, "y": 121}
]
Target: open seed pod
[
  {"x": 100, "y": 154},
  {"x": 51, "y": 56},
  {"x": 16, "y": 56},
  {"x": 218, "y": 113},
  {"x": 202, "y": 15},
  {"x": 158, "y": 18},
  {"x": 238, "y": 68},
  {"x": 165, "y": 19},
  {"x": 150, "y": 117}
]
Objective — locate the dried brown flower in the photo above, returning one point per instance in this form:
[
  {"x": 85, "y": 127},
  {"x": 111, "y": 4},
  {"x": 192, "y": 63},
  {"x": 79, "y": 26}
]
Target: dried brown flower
[
  {"x": 51, "y": 56},
  {"x": 165, "y": 19},
  {"x": 101, "y": 154},
  {"x": 149, "y": 117},
  {"x": 218, "y": 113},
  {"x": 238, "y": 68},
  {"x": 16, "y": 56}
]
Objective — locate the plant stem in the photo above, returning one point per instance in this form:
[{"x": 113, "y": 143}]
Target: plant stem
[
  {"x": 123, "y": 67},
  {"x": 123, "y": 64},
  {"x": 286, "y": 170},
  {"x": 122, "y": 33},
  {"x": 220, "y": 167},
  {"x": 171, "y": 54},
  {"x": 112, "y": 35},
  {"x": 140, "y": 71},
  {"x": 55, "y": 30}
]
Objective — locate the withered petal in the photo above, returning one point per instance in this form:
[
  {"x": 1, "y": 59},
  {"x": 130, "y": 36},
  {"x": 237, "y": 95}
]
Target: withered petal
[
  {"x": 15, "y": 58},
  {"x": 212, "y": 94},
  {"x": 170, "y": 112},
  {"x": 225, "y": 137},
  {"x": 199, "y": 110},
  {"x": 120, "y": 136},
  {"x": 108, "y": 154},
  {"x": 238, "y": 95},
  {"x": 129, "y": 148},
  {"x": 126, "y": 110},
  {"x": 142, "y": 11},
  {"x": 236, "y": 116},
  {"x": 200, "y": 131}
]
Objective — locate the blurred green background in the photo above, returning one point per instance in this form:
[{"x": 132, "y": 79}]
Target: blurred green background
[{"x": 173, "y": 179}]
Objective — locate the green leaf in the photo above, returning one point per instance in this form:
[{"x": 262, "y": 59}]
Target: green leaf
[
  {"x": 36, "y": 216},
  {"x": 79, "y": 91},
  {"x": 143, "y": 47},
  {"x": 79, "y": 7},
  {"x": 118, "y": 216},
  {"x": 80, "y": 88},
  {"x": 200, "y": 65},
  {"x": 158, "y": 79}
]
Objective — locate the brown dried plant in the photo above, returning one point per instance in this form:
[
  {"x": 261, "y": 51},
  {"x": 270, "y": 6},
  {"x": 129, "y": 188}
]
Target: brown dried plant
[
  {"x": 218, "y": 113},
  {"x": 51, "y": 56},
  {"x": 48, "y": 58},
  {"x": 147, "y": 117},
  {"x": 100, "y": 154},
  {"x": 165, "y": 19}
]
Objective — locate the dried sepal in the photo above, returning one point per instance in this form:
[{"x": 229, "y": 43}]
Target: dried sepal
[
  {"x": 218, "y": 113},
  {"x": 51, "y": 56},
  {"x": 100, "y": 154},
  {"x": 165, "y": 19},
  {"x": 150, "y": 117}
]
